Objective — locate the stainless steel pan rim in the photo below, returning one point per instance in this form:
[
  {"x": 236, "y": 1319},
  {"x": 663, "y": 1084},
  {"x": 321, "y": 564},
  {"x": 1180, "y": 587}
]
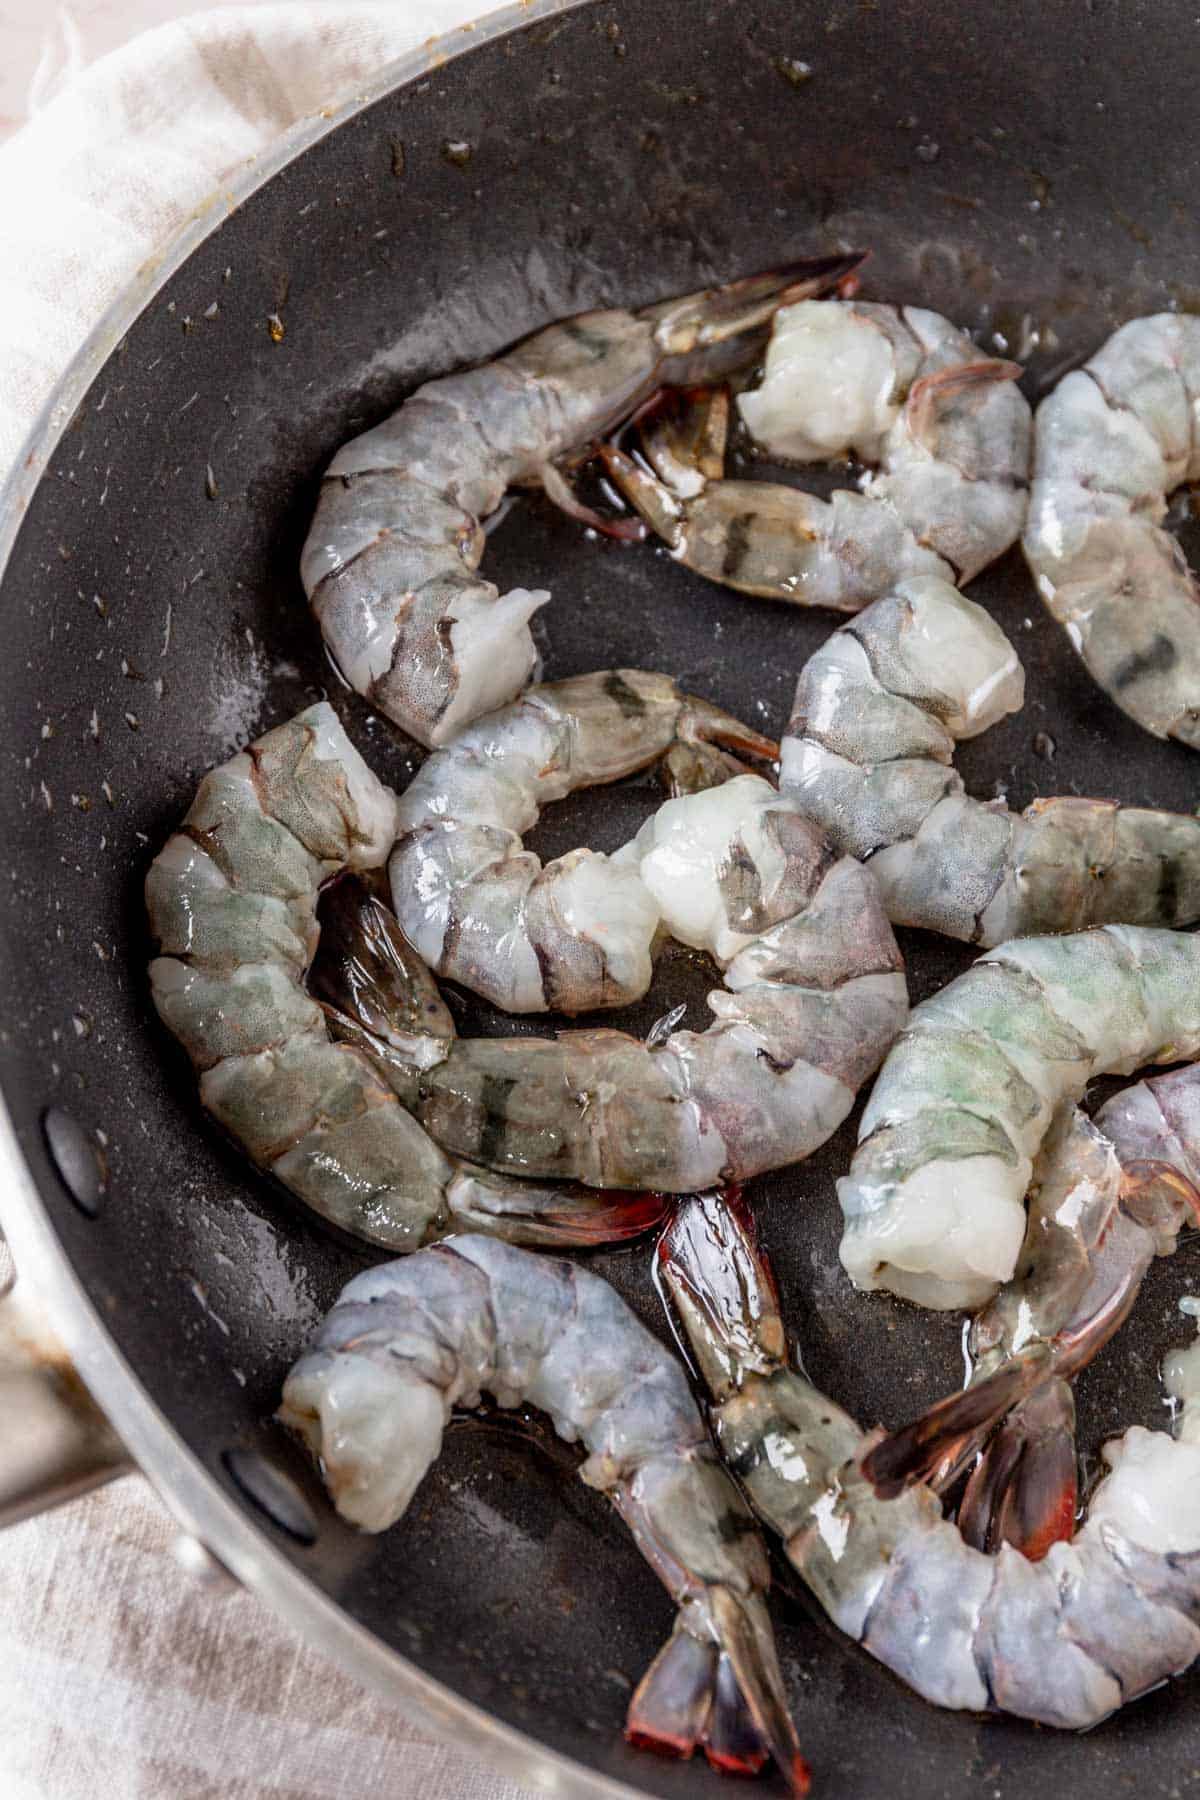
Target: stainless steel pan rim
[{"x": 191, "y": 1493}]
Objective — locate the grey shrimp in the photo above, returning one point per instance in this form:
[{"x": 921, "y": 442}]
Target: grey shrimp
[
  {"x": 409, "y": 1341},
  {"x": 392, "y": 558},
  {"x": 1109, "y": 1195},
  {"x": 901, "y": 388},
  {"x": 878, "y": 711},
  {"x": 814, "y": 993},
  {"x": 232, "y": 899},
  {"x": 575, "y": 934},
  {"x": 1112, "y": 442},
  {"x": 934, "y": 1200},
  {"x": 1065, "y": 1641}
]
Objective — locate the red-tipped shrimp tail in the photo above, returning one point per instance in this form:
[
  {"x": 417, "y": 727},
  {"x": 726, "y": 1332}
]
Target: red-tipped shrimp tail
[
  {"x": 722, "y": 1290},
  {"x": 692, "y": 1697},
  {"x": 672, "y": 1702},
  {"x": 562, "y": 1218},
  {"x": 933, "y": 1447},
  {"x": 1024, "y": 1488},
  {"x": 750, "y": 1705},
  {"x": 733, "y": 1743}
]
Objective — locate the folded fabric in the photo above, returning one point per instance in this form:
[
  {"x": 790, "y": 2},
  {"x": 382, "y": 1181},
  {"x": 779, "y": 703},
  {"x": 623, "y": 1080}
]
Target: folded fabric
[{"x": 131, "y": 147}]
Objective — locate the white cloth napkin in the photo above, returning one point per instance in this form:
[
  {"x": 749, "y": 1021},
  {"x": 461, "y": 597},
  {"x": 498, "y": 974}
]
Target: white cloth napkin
[{"x": 120, "y": 1679}]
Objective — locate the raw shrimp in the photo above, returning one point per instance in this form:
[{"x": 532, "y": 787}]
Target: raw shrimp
[
  {"x": 391, "y": 562},
  {"x": 813, "y": 996},
  {"x": 878, "y": 711},
  {"x": 1109, "y": 1196},
  {"x": 934, "y": 1201},
  {"x": 409, "y": 1341},
  {"x": 232, "y": 899},
  {"x": 901, "y": 388},
  {"x": 479, "y": 907},
  {"x": 1112, "y": 442},
  {"x": 1064, "y": 1641}
]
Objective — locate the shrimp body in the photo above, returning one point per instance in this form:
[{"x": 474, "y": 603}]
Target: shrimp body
[
  {"x": 1064, "y": 1641},
  {"x": 813, "y": 996},
  {"x": 232, "y": 900},
  {"x": 934, "y": 1199},
  {"x": 409, "y": 1341},
  {"x": 392, "y": 557},
  {"x": 946, "y": 430},
  {"x": 878, "y": 711},
  {"x": 1112, "y": 441},
  {"x": 1109, "y": 1195},
  {"x": 575, "y": 934}
]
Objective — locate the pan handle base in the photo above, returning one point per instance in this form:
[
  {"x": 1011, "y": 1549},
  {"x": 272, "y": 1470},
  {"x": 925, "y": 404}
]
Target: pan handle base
[{"x": 55, "y": 1443}]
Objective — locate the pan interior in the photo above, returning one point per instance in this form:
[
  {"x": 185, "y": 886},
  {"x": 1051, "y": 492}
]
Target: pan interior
[{"x": 1028, "y": 170}]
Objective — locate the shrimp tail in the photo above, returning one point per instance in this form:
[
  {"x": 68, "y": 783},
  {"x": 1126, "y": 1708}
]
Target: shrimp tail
[
  {"x": 664, "y": 512},
  {"x": 725, "y": 1701},
  {"x": 935, "y": 1446},
  {"x": 932, "y": 391},
  {"x": 682, "y": 435},
  {"x": 363, "y": 954},
  {"x": 722, "y": 1289},
  {"x": 550, "y": 1217},
  {"x": 686, "y": 327},
  {"x": 1024, "y": 1488},
  {"x": 701, "y": 722},
  {"x": 750, "y": 1706},
  {"x": 686, "y": 434},
  {"x": 625, "y": 527},
  {"x": 672, "y": 1702},
  {"x": 724, "y": 1294},
  {"x": 693, "y": 768},
  {"x": 379, "y": 996}
]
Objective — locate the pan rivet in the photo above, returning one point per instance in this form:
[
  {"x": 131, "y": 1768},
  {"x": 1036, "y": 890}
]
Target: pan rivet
[
  {"x": 76, "y": 1158},
  {"x": 273, "y": 1492}
]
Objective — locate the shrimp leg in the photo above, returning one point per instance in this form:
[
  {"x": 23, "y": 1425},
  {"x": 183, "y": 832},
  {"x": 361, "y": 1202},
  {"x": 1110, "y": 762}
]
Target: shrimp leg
[
  {"x": 391, "y": 564},
  {"x": 408, "y": 1341}
]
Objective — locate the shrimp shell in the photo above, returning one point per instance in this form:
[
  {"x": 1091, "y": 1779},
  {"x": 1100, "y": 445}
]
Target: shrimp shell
[
  {"x": 391, "y": 561},
  {"x": 878, "y": 711},
  {"x": 903, "y": 389},
  {"x": 1065, "y": 1641},
  {"x": 407, "y": 1342},
  {"x": 232, "y": 900},
  {"x": 575, "y": 934},
  {"x": 1112, "y": 441},
  {"x": 1109, "y": 1195},
  {"x": 813, "y": 995}
]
